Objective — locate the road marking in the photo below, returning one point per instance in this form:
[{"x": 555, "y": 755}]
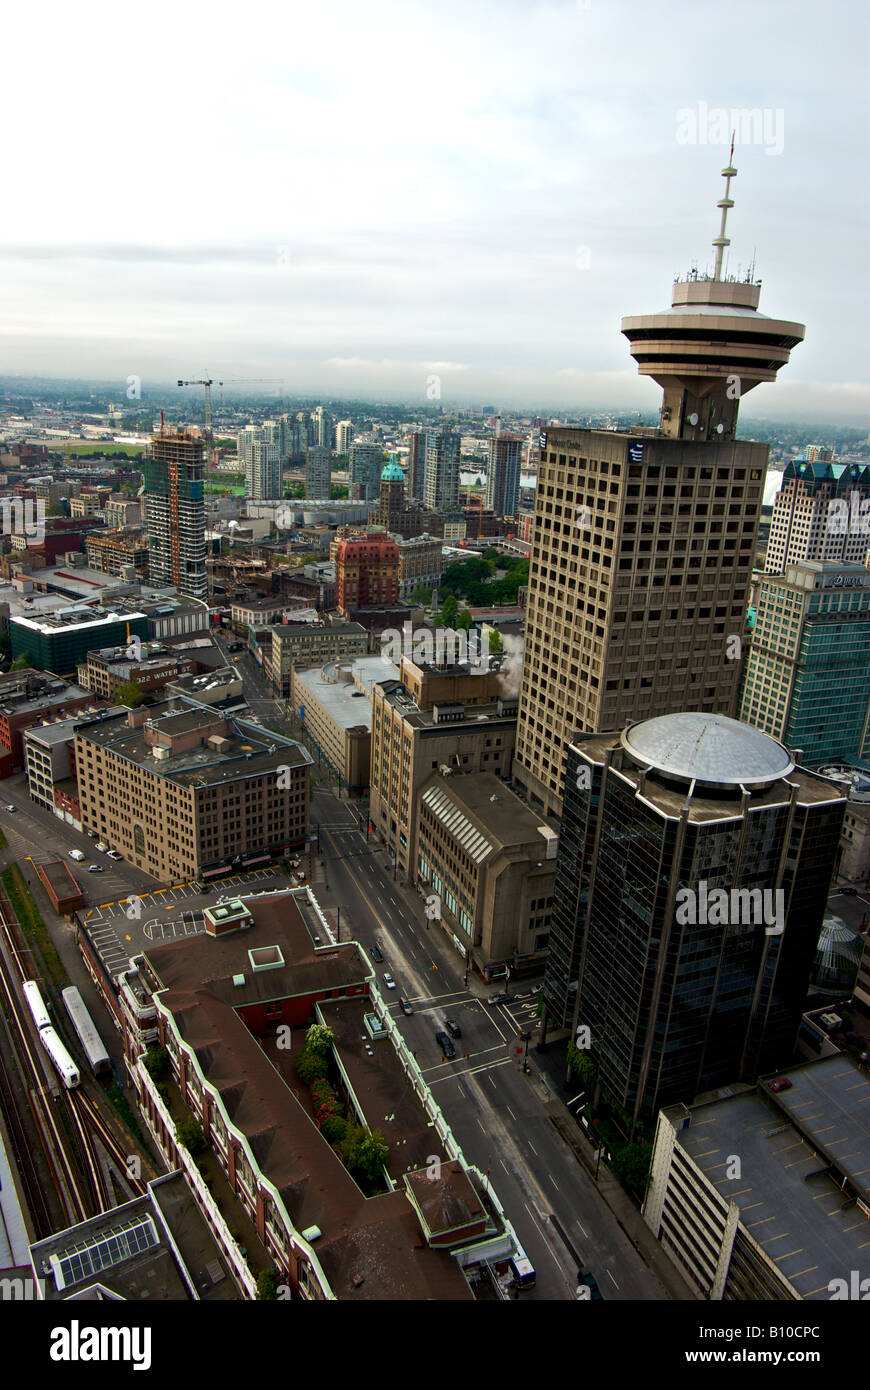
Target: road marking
[
  {"x": 553, "y": 1181},
  {"x": 533, "y": 1149},
  {"x": 582, "y": 1228},
  {"x": 615, "y": 1285},
  {"x": 511, "y": 1113}
]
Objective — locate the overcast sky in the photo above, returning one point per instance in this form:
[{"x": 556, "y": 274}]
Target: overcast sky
[{"x": 353, "y": 198}]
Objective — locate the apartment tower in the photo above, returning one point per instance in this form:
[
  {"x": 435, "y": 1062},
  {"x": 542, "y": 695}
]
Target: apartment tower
[
  {"x": 175, "y": 511},
  {"x": 644, "y": 540}
]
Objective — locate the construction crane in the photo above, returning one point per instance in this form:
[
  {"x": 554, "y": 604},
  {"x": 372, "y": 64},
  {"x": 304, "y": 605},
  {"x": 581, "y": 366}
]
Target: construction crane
[{"x": 207, "y": 383}]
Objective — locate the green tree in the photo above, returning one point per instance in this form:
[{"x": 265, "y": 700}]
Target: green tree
[
  {"x": 631, "y": 1163},
  {"x": 320, "y": 1039},
  {"x": 449, "y": 610},
  {"x": 421, "y": 595},
  {"x": 582, "y": 1065},
  {"x": 496, "y": 645},
  {"x": 333, "y": 1128},
  {"x": 311, "y": 1067},
  {"x": 22, "y": 662},
  {"x": 129, "y": 693},
  {"x": 267, "y": 1284},
  {"x": 156, "y": 1059},
  {"x": 189, "y": 1133},
  {"x": 464, "y": 622}
]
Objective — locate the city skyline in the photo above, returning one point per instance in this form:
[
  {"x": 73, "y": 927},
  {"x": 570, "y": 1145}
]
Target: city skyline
[{"x": 484, "y": 247}]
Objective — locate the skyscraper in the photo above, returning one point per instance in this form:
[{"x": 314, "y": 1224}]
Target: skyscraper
[
  {"x": 343, "y": 436},
  {"x": 318, "y": 471},
  {"x": 817, "y": 513},
  {"x": 807, "y": 676},
  {"x": 264, "y": 473},
  {"x": 441, "y": 481},
  {"x": 644, "y": 540},
  {"x": 322, "y": 422},
  {"x": 175, "y": 512},
  {"x": 366, "y": 463},
  {"x": 416, "y": 463},
  {"x": 693, "y": 870},
  {"x": 503, "y": 475}
]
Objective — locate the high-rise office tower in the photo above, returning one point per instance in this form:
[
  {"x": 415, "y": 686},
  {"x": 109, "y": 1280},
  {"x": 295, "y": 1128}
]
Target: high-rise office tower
[
  {"x": 691, "y": 882},
  {"x": 322, "y": 422},
  {"x": 366, "y": 463},
  {"x": 175, "y": 512},
  {"x": 416, "y": 463},
  {"x": 441, "y": 480},
  {"x": 503, "y": 476},
  {"x": 343, "y": 436},
  {"x": 264, "y": 472},
  {"x": 820, "y": 512},
  {"x": 644, "y": 541},
  {"x": 318, "y": 471},
  {"x": 807, "y": 678}
]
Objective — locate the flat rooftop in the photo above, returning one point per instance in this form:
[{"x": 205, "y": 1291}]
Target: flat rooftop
[
  {"x": 799, "y": 1215},
  {"x": 248, "y": 750},
  {"x": 347, "y": 702},
  {"x": 496, "y": 712},
  {"x": 485, "y": 802}
]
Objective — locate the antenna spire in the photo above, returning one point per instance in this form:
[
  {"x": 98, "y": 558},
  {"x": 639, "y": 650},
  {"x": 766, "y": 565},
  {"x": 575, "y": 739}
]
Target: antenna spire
[{"x": 721, "y": 241}]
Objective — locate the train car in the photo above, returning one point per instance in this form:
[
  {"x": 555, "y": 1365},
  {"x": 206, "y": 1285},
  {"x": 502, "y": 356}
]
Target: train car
[
  {"x": 64, "y": 1064},
  {"x": 86, "y": 1030},
  {"x": 33, "y": 999}
]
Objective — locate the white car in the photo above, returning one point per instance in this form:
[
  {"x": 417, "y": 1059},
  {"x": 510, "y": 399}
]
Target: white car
[
  {"x": 101, "y": 844},
  {"x": 11, "y": 808},
  {"x": 389, "y": 982},
  {"x": 113, "y": 854},
  {"x": 76, "y": 854}
]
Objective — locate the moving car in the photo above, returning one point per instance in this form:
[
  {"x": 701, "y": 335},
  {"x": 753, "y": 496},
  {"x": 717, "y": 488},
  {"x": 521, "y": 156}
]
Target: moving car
[
  {"x": 376, "y": 954},
  {"x": 389, "y": 982},
  {"x": 446, "y": 1045},
  {"x": 498, "y": 999},
  {"x": 847, "y": 892},
  {"x": 76, "y": 854},
  {"x": 782, "y": 1083},
  {"x": 405, "y": 1006},
  {"x": 453, "y": 1028},
  {"x": 96, "y": 869}
]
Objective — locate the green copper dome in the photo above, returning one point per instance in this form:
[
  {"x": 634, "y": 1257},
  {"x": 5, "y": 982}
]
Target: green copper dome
[{"x": 392, "y": 473}]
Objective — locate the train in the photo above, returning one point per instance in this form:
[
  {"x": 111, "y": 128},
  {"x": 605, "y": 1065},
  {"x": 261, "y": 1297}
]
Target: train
[
  {"x": 86, "y": 1031},
  {"x": 63, "y": 1063}
]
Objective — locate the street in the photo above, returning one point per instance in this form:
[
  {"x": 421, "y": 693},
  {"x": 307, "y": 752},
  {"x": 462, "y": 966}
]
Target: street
[{"x": 497, "y": 1113}]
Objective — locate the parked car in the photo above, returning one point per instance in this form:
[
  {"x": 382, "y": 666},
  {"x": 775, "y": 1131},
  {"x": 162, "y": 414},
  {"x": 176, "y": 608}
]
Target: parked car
[
  {"x": 113, "y": 854},
  {"x": 405, "y": 1006},
  {"x": 389, "y": 982},
  {"x": 11, "y": 808},
  {"x": 92, "y": 834},
  {"x": 536, "y": 989},
  {"x": 847, "y": 892},
  {"x": 498, "y": 999},
  {"x": 376, "y": 954},
  {"x": 782, "y": 1083},
  {"x": 592, "y": 1285},
  {"x": 101, "y": 845},
  {"x": 76, "y": 854},
  {"x": 446, "y": 1045},
  {"x": 96, "y": 869},
  {"x": 453, "y": 1028}
]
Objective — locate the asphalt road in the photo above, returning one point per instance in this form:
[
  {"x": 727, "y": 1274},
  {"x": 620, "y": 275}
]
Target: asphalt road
[{"x": 495, "y": 1111}]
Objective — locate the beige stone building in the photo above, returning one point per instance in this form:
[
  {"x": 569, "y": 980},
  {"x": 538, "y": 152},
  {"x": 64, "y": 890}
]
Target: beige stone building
[
  {"x": 491, "y": 864},
  {"x": 179, "y": 789},
  {"x": 107, "y": 551},
  {"x": 640, "y": 569},
  {"x": 427, "y": 719},
  {"x": 336, "y": 700},
  {"x": 309, "y": 644}
]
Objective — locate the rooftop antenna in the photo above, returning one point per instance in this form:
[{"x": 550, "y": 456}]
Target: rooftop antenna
[{"x": 721, "y": 241}]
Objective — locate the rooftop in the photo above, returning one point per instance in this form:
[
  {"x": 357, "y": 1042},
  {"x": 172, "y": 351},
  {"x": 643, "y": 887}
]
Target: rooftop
[
  {"x": 347, "y": 700},
  {"x": 709, "y": 748}
]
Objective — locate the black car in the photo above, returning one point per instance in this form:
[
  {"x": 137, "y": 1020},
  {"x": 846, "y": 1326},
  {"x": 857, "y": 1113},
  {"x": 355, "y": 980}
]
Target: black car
[
  {"x": 405, "y": 1006},
  {"x": 498, "y": 999},
  {"x": 446, "y": 1045},
  {"x": 453, "y": 1028},
  {"x": 376, "y": 955},
  {"x": 592, "y": 1285},
  {"x": 847, "y": 892}
]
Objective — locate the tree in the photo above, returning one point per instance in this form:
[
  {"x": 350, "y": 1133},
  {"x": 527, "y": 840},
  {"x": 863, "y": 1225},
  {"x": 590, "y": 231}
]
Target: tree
[
  {"x": 582, "y": 1065},
  {"x": 129, "y": 693},
  {"x": 364, "y": 1153},
  {"x": 311, "y": 1067},
  {"x": 22, "y": 662},
  {"x": 449, "y": 609},
  {"x": 333, "y": 1128},
  {"x": 319, "y": 1038},
  {"x": 496, "y": 645},
  {"x": 267, "y": 1284},
  {"x": 631, "y": 1165},
  {"x": 421, "y": 595},
  {"x": 464, "y": 622},
  {"x": 189, "y": 1133},
  {"x": 156, "y": 1060}
]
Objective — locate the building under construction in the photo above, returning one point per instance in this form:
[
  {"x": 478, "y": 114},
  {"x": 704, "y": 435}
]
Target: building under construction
[{"x": 175, "y": 511}]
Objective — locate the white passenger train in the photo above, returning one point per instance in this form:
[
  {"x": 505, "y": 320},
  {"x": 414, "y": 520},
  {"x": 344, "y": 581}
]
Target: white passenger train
[
  {"x": 64, "y": 1064},
  {"x": 86, "y": 1031}
]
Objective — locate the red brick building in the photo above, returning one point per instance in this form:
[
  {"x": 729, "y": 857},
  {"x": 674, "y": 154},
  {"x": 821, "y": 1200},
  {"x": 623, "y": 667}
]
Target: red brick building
[{"x": 366, "y": 573}]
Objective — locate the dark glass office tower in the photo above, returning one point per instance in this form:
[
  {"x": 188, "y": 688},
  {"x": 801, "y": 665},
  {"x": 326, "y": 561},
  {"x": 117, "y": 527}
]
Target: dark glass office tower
[{"x": 680, "y": 993}]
